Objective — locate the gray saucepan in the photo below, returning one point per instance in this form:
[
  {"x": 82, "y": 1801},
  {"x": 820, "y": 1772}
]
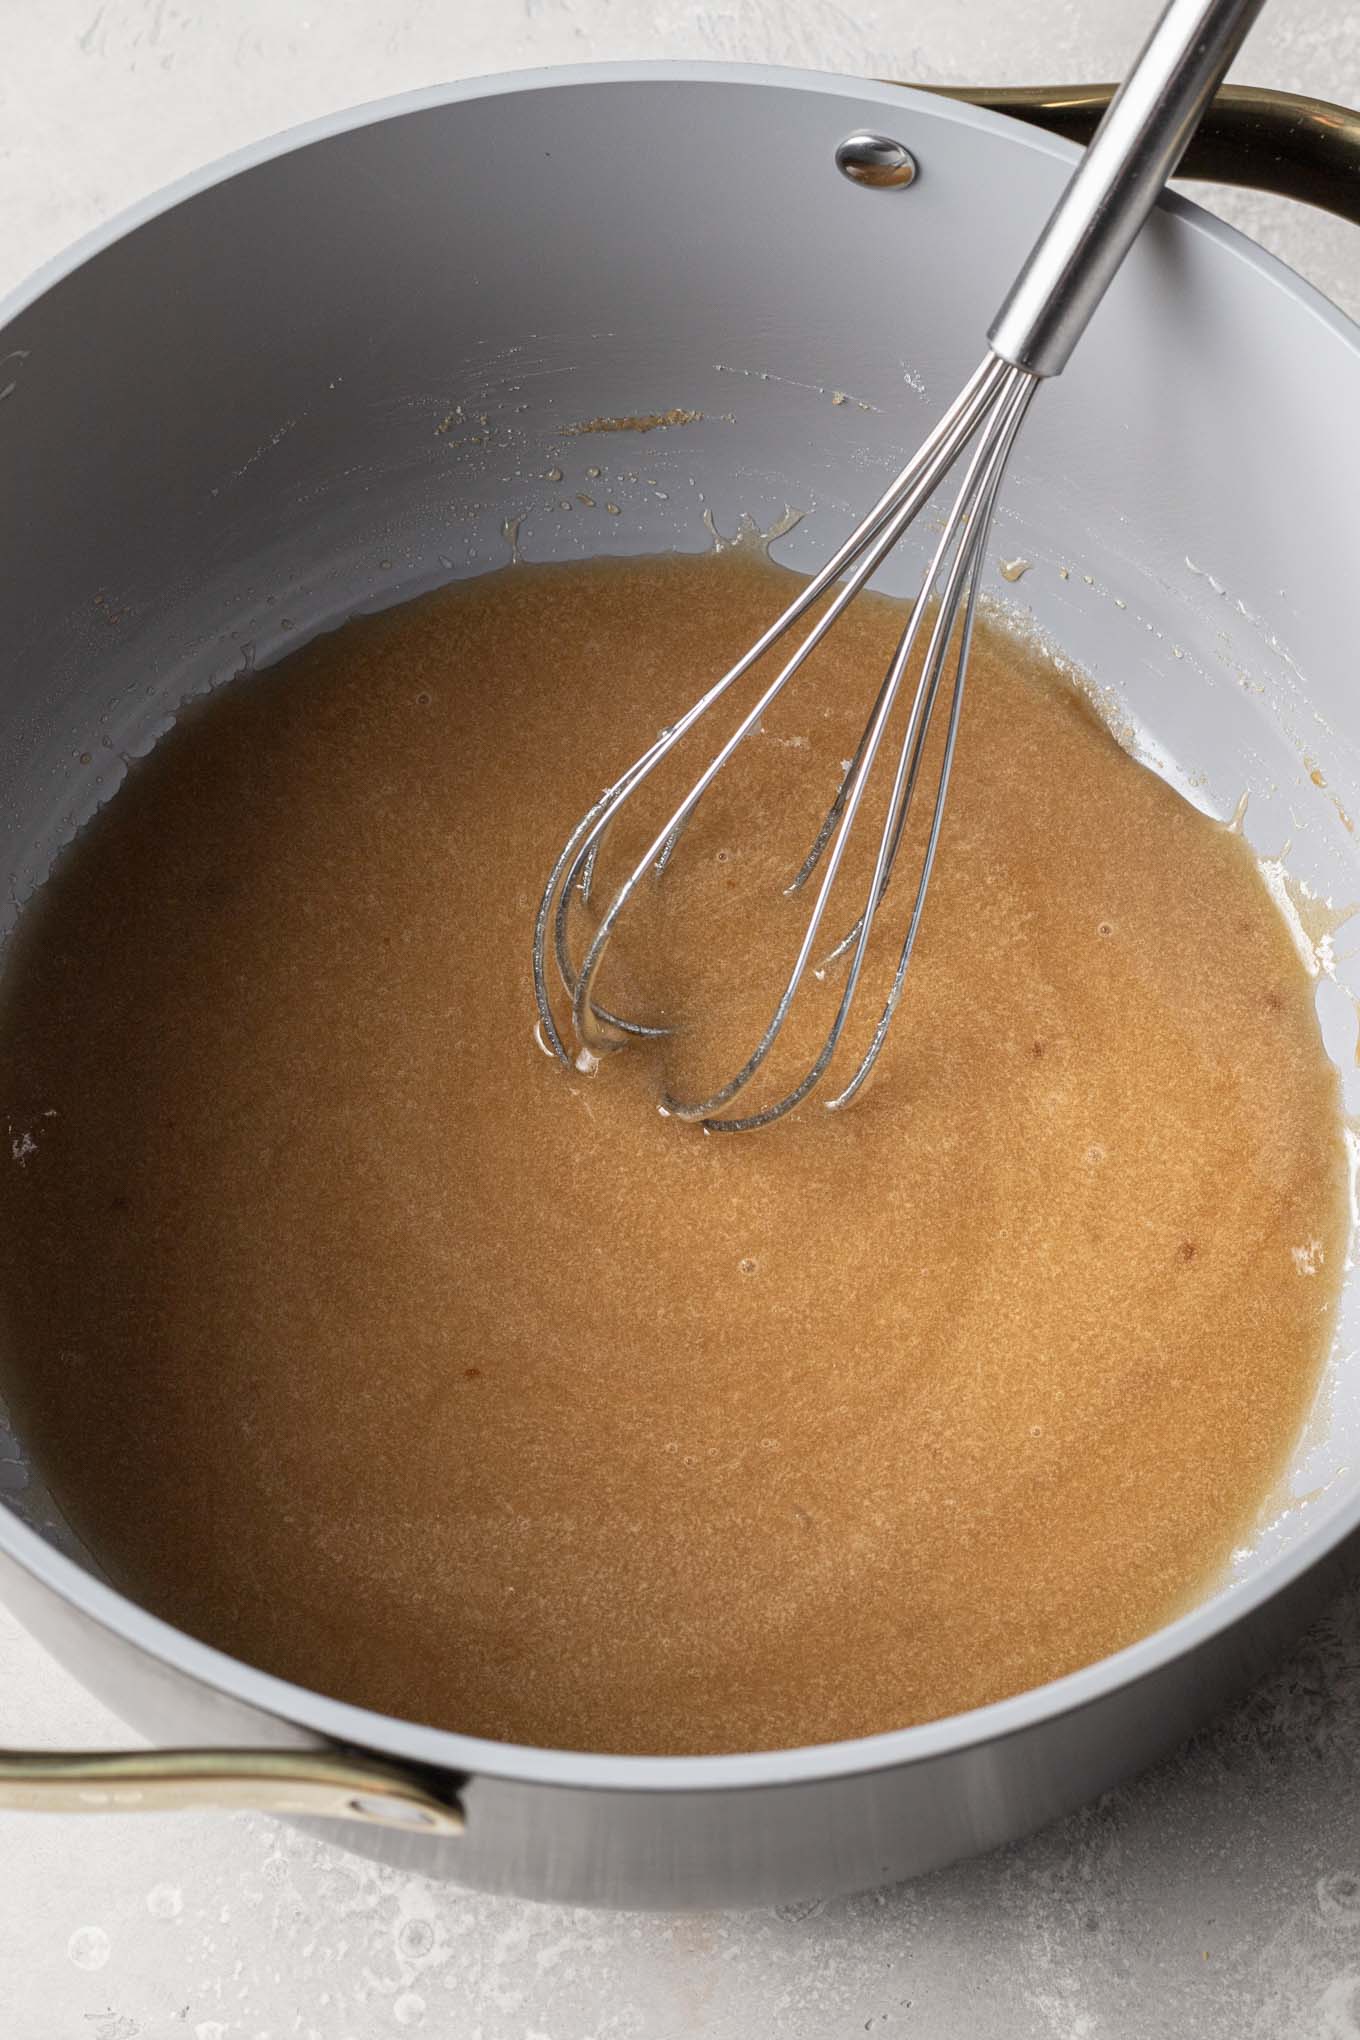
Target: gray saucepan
[{"x": 336, "y": 370}]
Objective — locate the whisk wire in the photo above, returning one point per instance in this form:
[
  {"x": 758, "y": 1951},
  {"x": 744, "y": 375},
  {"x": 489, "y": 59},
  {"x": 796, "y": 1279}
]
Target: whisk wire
[
  {"x": 876, "y": 534},
  {"x": 869, "y": 548},
  {"x": 997, "y": 394},
  {"x": 978, "y": 526},
  {"x": 965, "y": 530},
  {"x": 976, "y": 544}
]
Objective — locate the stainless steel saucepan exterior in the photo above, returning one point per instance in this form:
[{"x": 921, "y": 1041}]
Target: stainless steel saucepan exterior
[{"x": 360, "y": 361}]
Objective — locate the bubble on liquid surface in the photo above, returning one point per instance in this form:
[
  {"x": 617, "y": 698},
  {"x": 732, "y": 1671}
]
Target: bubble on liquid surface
[{"x": 165, "y": 1901}]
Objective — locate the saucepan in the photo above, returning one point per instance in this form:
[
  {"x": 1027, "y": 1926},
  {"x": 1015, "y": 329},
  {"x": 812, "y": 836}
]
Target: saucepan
[{"x": 353, "y": 363}]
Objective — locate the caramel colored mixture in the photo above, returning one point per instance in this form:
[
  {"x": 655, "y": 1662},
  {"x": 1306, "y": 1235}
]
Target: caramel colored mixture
[{"x": 361, "y": 1339}]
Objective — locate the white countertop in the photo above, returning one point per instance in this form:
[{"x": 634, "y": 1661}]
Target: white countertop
[{"x": 1218, "y": 1897}]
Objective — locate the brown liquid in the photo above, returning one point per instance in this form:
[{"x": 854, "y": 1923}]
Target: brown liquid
[{"x": 363, "y": 1341}]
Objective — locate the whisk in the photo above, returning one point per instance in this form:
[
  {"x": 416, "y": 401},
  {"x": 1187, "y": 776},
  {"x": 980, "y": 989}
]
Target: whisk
[{"x": 1134, "y": 151}]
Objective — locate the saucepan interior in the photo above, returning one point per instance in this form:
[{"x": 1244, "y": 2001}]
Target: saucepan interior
[{"x": 619, "y": 314}]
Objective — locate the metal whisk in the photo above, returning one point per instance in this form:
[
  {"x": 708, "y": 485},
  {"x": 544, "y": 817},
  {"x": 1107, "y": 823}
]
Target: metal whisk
[{"x": 1134, "y": 151}]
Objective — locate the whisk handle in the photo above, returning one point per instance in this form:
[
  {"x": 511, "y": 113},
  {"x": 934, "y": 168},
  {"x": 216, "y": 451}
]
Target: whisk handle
[{"x": 1137, "y": 146}]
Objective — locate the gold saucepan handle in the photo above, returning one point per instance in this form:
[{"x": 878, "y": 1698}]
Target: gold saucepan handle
[
  {"x": 1301, "y": 148},
  {"x": 330, "y": 1785},
  {"x": 1283, "y": 142}
]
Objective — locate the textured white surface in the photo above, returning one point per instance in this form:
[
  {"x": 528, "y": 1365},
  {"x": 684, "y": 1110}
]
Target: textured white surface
[{"x": 1218, "y": 1897}]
